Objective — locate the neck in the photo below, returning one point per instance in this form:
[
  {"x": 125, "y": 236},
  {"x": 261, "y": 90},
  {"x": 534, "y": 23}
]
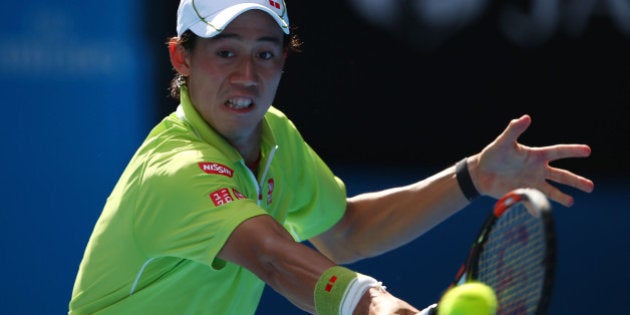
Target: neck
[
  {"x": 249, "y": 148},
  {"x": 253, "y": 166}
]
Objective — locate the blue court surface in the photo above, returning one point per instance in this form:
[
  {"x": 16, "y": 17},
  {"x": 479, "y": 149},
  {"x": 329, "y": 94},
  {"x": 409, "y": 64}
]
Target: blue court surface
[{"x": 592, "y": 238}]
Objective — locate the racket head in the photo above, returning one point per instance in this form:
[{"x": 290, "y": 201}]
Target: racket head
[{"x": 514, "y": 253}]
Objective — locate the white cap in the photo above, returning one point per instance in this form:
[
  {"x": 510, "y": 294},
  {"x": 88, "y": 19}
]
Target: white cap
[{"x": 207, "y": 18}]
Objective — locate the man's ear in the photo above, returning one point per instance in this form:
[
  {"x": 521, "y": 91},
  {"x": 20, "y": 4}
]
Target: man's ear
[{"x": 179, "y": 57}]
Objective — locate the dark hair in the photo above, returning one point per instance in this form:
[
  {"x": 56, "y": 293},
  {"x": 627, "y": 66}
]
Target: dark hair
[{"x": 188, "y": 40}]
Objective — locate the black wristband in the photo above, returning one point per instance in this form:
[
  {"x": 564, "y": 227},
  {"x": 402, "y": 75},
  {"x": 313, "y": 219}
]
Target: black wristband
[{"x": 464, "y": 180}]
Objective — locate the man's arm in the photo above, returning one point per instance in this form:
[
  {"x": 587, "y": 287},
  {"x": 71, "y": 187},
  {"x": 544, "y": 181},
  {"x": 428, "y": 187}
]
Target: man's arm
[
  {"x": 263, "y": 246},
  {"x": 377, "y": 222},
  {"x": 293, "y": 269}
]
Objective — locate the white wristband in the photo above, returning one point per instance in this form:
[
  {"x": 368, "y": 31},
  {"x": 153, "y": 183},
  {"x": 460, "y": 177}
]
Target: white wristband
[{"x": 355, "y": 291}]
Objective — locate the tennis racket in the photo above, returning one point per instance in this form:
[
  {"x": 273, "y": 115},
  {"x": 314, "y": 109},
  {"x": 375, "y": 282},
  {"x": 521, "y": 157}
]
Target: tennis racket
[{"x": 514, "y": 253}]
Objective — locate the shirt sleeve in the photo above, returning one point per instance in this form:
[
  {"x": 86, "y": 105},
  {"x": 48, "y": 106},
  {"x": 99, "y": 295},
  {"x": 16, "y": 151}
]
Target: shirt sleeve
[
  {"x": 178, "y": 214},
  {"x": 318, "y": 196}
]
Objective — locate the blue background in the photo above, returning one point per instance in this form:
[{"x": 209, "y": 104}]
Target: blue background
[{"x": 83, "y": 82}]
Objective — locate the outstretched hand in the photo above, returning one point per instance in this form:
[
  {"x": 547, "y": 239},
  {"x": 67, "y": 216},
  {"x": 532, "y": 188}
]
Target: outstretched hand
[{"x": 505, "y": 164}]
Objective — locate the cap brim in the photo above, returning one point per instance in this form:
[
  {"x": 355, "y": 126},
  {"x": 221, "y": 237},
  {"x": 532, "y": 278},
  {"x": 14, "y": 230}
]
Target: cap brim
[{"x": 215, "y": 24}]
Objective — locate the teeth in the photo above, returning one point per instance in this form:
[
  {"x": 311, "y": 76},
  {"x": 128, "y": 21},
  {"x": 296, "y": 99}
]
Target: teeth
[{"x": 239, "y": 103}]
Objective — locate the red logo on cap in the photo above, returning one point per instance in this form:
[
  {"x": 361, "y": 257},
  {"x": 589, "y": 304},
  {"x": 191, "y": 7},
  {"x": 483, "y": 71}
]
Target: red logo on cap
[{"x": 274, "y": 4}]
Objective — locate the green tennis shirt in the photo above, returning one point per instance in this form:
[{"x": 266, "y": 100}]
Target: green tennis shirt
[{"x": 154, "y": 247}]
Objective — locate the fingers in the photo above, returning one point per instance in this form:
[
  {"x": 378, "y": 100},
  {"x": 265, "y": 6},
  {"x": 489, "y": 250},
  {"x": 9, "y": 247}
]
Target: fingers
[
  {"x": 563, "y": 151},
  {"x": 558, "y": 196},
  {"x": 515, "y": 128},
  {"x": 568, "y": 178},
  {"x": 519, "y": 165}
]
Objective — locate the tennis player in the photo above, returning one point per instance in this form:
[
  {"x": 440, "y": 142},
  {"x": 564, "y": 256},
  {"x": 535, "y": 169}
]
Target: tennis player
[{"x": 218, "y": 200}]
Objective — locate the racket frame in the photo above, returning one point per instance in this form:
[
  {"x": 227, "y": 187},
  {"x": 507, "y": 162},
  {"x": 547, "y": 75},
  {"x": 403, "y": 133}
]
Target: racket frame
[{"x": 537, "y": 205}]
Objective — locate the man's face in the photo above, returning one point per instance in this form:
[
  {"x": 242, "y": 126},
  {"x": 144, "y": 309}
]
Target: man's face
[{"x": 234, "y": 76}]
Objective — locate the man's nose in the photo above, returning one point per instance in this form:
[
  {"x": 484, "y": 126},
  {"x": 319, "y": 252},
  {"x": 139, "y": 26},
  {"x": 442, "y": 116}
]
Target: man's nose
[{"x": 245, "y": 72}]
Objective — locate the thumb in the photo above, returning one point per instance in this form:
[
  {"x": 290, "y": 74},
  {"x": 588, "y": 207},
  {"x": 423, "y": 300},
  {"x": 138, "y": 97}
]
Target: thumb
[{"x": 515, "y": 128}]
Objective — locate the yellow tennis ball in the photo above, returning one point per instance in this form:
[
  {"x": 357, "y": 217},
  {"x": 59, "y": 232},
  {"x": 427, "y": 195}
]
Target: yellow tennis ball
[{"x": 473, "y": 298}]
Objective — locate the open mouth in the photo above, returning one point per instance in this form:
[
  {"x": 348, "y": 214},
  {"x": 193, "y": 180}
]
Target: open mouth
[{"x": 239, "y": 103}]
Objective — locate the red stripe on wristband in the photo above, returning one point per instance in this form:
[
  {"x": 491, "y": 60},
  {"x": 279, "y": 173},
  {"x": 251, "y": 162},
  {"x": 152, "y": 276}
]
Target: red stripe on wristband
[{"x": 330, "y": 284}]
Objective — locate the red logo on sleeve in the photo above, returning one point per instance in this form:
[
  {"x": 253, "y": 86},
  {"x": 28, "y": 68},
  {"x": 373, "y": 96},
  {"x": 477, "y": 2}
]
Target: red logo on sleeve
[
  {"x": 216, "y": 168},
  {"x": 238, "y": 194},
  {"x": 221, "y": 197}
]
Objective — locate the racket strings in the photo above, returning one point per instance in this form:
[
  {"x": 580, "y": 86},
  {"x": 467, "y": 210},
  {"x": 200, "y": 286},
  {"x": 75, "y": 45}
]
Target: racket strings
[{"x": 512, "y": 261}]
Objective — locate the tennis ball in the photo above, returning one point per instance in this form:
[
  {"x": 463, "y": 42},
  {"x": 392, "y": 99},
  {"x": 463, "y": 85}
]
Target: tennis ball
[{"x": 473, "y": 298}]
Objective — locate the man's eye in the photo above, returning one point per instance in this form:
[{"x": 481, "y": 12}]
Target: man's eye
[
  {"x": 265, "y": 55},
  {"x": 225, "y": 54}
]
